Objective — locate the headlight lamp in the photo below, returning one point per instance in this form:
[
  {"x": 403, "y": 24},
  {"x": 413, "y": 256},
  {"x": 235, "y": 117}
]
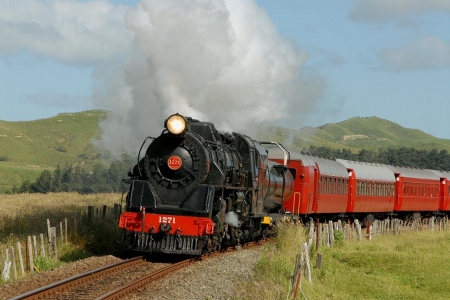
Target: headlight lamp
[{"x": 176, "y": 124}]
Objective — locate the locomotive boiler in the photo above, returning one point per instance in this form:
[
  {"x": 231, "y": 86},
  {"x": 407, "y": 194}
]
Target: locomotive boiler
[{"x": 197, "y": 189}]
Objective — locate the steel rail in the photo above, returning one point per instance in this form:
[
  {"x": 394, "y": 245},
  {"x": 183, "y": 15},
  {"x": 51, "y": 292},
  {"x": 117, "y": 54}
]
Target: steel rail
[
  {"x": 51, "y": 289},
  {"x": 134, "y": 286}
]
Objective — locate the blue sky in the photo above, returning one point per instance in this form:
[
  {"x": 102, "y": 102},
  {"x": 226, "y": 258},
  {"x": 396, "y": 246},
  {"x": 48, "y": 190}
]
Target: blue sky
[{"x": 336, "y": 60}]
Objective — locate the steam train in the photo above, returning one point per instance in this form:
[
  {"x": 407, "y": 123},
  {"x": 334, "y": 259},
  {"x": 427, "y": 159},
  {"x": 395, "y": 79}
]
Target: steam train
[{"x": 197, "y": 189}]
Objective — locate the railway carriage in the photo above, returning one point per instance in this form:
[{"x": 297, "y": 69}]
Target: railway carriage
[
  {"x": 371, "y": 188},
  {"x": 416, "y": 190}
]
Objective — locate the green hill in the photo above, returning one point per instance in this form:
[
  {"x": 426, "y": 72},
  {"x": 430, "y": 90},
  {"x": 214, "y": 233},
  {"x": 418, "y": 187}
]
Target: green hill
[
  {"x": 29, "y": 147},
  {"x": 356, "y": 134}
]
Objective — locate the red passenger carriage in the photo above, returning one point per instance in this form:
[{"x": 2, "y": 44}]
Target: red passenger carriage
[
  {"x": 371, "y": 187},
  {"x": 416, "y": 190}
]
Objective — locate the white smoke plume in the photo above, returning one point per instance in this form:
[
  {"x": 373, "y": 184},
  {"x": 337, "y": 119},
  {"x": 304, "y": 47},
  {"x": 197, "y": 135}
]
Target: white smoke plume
[
  {"x": 220, "y": 61},
  {"x": 232, "y": 219}
]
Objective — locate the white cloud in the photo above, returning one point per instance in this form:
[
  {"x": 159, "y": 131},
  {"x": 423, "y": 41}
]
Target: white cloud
[
  {"x": 67, "y": 31},
  {"x": 429, "y": 53},
  {"x": 393, "y": 10},
  {"x": 220, "y": 61}
]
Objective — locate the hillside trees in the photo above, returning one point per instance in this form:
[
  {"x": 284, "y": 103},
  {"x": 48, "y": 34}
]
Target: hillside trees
[{"x": 102, "y": 179}]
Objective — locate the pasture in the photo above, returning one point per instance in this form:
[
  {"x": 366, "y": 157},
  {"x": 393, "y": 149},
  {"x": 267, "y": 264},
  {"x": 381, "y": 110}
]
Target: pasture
[{"x": 411, "y": 265}]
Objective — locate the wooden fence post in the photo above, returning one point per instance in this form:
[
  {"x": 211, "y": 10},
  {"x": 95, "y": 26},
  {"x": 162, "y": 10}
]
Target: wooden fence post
[
  {"x": 14, "y": 262},
  {"x": 331, "y": 231},
  {"x": 297, "y": 275},
  {"x": 319, "y": 260},
  {"x": 305, "y": 254},
  {"x": 6, "y": 267},
  {"x": 311, "y": 232},
  {"x": 62, "y": 233},
  {"x": 317, "y": 234},
  {"x": 54, "y": 244},
  {"x": 42, "y": 245},
  {"x": 35, "y": 246},
  {"x": 358, "y": 229},
  {"x": 49, "y": 231},
  {"x": 30, "y": 264},
  {"x": 19, "y": 249}
]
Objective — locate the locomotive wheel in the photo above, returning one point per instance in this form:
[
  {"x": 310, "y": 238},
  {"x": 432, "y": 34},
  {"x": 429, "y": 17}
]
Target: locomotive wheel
[{"x": 210, "y": 246}]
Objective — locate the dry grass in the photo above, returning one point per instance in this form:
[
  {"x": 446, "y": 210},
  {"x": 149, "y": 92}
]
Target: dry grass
[
  {"x": 19, "y": 204},
  {"x": 23, "y": 215},
  {"x": 28, "y": 213}
]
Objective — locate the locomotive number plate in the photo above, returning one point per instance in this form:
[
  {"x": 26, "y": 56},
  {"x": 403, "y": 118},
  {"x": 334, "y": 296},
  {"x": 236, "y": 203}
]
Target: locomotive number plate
[
  {"x": 174, "y": 162},
  {"x": 168, "y": 220}
]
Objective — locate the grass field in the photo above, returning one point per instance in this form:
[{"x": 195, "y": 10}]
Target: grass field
[{"x": 412, "y": 265}]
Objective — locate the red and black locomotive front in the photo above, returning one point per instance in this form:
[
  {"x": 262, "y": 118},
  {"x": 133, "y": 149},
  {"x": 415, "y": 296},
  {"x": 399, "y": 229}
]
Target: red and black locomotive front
[{"x": 172, "y": 199}]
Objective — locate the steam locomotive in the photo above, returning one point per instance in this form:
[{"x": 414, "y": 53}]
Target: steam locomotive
[{"x": 197, "y": 189}]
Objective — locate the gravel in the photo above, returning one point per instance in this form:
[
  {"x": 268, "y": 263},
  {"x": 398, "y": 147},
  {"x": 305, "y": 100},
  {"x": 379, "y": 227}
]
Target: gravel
[{"x": 212, "y": 278}]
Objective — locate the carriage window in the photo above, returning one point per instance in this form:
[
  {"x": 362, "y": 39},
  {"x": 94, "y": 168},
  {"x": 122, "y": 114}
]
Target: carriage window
[
  {"x": 334, "y": 186},
  {"x": 339, "y": 191}
]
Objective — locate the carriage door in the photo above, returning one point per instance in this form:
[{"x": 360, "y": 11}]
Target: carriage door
[{"x": 315, "y": 199}]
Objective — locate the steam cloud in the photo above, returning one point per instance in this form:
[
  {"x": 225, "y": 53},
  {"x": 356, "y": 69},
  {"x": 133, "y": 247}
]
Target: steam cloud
[
  {"x": 232, "y": 219},
  {"x": 220, "y": 61}
]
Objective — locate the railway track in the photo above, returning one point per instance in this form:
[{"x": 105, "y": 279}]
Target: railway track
[
  {"x": 95, "y": 283},
  {"x": 112, "y": 281}
]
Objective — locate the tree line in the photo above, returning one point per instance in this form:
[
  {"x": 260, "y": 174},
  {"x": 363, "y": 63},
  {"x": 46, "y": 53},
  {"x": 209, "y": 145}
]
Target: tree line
[
  {"x": 103, "y": 179},
  {"x": 403, "y": 157}
]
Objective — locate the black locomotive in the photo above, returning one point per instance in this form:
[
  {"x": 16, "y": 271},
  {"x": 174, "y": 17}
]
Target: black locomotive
[{"x": 198, "y": 189}]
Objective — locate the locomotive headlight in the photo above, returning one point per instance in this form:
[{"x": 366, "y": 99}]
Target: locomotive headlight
[{"x": 176, "y": 124}]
